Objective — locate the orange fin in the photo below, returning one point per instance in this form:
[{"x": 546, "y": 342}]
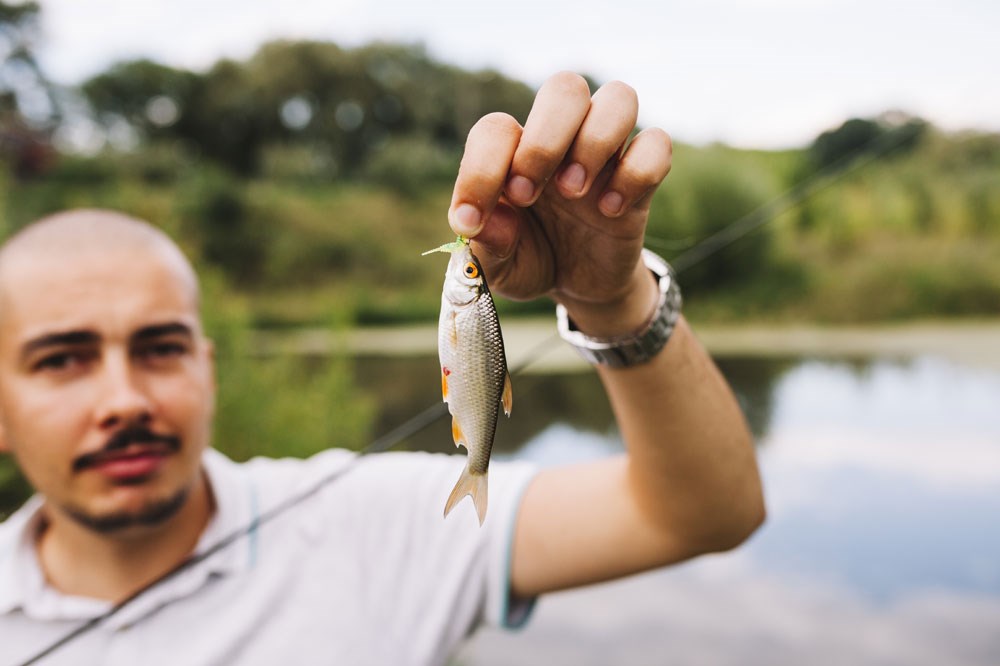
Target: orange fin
[
  {"x": 507, "y": 397},
  {"x": 457, "y": 434},
  {"x": 469, "y": 484},
  {"x": 444, "y": 384}
]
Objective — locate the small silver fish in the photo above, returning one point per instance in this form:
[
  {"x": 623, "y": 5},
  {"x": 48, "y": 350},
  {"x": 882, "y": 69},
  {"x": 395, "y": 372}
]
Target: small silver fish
[{"x": 474, "y": 377}]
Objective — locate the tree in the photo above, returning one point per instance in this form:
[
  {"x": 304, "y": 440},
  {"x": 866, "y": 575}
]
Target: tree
[
  {"x": 344, "y": 105},
  {"x": 28, "y": 107},
  {"x": 892, "y": 132}
]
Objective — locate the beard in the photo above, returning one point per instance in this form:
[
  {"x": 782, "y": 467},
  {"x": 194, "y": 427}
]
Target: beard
[{"x": 154, "y": 513}]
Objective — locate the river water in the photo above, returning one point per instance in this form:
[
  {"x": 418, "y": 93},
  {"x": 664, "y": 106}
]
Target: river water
[{"x": 882, "y": 544}]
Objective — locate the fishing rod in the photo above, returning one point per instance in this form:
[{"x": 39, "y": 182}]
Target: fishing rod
[
  {"x": 848, "y": 164},
  {"x": 708, "y": 246},
  {"x": 381, "y": 444}
]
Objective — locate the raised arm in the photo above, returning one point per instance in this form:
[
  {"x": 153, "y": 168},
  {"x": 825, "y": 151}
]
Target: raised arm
[{"x": 559, "y": 208}]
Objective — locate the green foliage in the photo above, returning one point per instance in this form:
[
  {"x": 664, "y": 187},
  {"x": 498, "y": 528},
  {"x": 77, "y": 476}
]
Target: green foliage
[
  {"x": 711, "y": 190},
  {"x": 14, "y": 489},
  {"x": 310, "y": 176},
  {"x": 129, "y": 91},
  {"x": 21, "y": 79},
  {"x": 913, "y": 278},
  {"x": 278, "y": 406},
  {"x": 345, "y": 106},
  {"x": 412, "y": 165},
  {"x": 219, "y": 218},
  {"x": 851, "y": 138},
  {"x": 892, "y": 133}
]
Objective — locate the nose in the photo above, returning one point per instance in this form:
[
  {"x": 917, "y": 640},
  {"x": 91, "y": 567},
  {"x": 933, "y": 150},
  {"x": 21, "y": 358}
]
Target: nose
[{"x": 124, "y": 400}]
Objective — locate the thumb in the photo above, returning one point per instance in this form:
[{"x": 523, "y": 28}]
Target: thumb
[{"x": 498, "y": 239}]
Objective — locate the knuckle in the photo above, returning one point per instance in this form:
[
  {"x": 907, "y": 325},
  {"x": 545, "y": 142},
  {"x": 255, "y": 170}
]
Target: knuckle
[
  {"x": 476, "y": 182},
  {"x": 622, "y": 91},
  {"x": 496, "y": 122},
  {"x": 569, "y": 83},
  {"x": 666, "y": 144},
  {"x": 536, "y": 159},
  {"x": 639, "y": 176},
  {"x": 598, "y": 143}
]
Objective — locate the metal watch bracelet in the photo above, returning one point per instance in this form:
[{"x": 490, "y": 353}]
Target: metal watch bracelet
[{"x": 634, "y": 349}]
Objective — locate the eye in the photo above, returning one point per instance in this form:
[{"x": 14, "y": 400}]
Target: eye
[
  {"x": 161, "y": 350},
  {"x": 471, "y": 270},
  {"x": 56, "y": 362},
  {"x": 164, "y": 349},
  {"x": 63, "y": 361}
]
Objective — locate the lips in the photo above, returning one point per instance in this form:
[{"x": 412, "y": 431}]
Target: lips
[
  {"x": 133, "y": 464},
  {"x": 129, "y": 456}
]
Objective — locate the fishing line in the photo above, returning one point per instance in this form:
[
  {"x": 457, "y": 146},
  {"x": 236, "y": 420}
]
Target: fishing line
[
  {"x": 769, "y": 211},
  {"x": 382, "y": 443},
  {"x": 705, "y": 248}
]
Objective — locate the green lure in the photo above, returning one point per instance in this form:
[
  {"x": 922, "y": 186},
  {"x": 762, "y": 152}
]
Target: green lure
[{"x": 454, "y": 246}]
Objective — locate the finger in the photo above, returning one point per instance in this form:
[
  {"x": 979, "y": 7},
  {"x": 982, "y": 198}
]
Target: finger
[
  {"x": 483, "y": 171},
  {"x": 496, "y": 242},
  {"x": 559, "y": 108},
  {"x": 639, "y": 171},
  {"x": 612, "y": 116}
]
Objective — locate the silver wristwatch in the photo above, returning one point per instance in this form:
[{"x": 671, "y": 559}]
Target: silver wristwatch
[{"x": 627, "y": 350}]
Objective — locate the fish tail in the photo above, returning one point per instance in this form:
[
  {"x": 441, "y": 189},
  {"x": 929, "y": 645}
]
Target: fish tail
[{"x": 469, "y": 483}]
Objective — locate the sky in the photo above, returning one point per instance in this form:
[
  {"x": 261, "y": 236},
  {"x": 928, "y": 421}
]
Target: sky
[{"x": 751, "y": 73}]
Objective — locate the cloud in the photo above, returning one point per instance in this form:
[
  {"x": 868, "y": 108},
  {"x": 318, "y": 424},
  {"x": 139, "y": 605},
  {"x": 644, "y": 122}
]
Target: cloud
[
  {"x": 721, "y": 611},
  {"x": 772, "y": 73}
]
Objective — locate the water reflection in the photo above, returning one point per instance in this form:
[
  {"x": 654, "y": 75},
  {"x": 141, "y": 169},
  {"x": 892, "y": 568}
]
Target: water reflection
[
  {"x": 883, "y": 484},
  {"x": 406, "y": 386},
  {"x": 881, "y": 546}
]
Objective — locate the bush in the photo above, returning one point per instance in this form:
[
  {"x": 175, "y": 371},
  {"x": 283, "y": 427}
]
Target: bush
[
  {"x": 277, "y": 406},
  {"x": 715, "y": 193},
  {"x": 217, "y": 215},
  {"x": 408, "y": 165}
]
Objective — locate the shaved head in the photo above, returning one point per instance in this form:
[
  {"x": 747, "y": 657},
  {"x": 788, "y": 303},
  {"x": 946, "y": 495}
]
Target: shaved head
[
  {"x": 102, "y": 352},
  {"x": 88, "y": 233}
]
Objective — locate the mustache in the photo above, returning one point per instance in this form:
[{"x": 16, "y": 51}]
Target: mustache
[{"x": 125, "y": 438}]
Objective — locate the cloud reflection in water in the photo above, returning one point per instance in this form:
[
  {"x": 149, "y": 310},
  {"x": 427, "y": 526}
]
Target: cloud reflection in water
[{"x": 881, "y": 546}]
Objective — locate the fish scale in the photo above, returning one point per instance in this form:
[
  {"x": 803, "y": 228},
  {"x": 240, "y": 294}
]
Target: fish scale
[
  {"x": 474, "y": 377},
  {"x": 477, "y": 379}
]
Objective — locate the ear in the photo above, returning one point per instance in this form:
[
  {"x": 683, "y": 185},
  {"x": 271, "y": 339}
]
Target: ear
[{"x": 3, "y": 438}]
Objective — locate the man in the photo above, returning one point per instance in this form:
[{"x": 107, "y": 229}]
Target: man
[{"x": 106, "y": 401}]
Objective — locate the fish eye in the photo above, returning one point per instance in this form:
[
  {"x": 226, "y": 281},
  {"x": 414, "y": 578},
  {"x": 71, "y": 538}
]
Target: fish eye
[{"x": 471, "y": 270}]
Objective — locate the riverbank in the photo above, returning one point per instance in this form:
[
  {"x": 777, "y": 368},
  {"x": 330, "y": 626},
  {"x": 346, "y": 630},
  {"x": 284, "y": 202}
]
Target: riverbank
[{"x": 971, "y": 343}]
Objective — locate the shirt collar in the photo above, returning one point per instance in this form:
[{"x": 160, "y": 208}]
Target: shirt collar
[{"x": 23, "y": 585}]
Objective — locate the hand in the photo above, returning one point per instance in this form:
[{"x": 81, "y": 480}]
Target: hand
[{"x": 559, "y": 207}]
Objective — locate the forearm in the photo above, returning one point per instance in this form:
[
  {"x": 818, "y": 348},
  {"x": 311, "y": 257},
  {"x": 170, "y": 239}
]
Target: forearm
[
  {"x": 692, "y": 469},
  {"x": 688, "y": 485}
]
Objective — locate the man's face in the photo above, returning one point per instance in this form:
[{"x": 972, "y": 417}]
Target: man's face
[{"x": 106, "y": 383}]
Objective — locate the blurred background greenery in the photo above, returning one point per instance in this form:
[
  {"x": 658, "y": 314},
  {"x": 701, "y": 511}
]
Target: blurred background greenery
[{"x": 304, "y": 180}]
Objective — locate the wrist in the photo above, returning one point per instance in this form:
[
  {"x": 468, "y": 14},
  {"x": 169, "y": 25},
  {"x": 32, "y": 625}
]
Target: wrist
[
  {"x": 637, "y": 344},
  {"x": 627, "y": 315}
]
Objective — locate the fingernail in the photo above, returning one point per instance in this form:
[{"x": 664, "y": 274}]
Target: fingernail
[
  {"x": 466, "y": 220},
  {"x": 611, "y": 203},
  {"x": 573, "y": 178},
  {"x": 520, "y": 189}
]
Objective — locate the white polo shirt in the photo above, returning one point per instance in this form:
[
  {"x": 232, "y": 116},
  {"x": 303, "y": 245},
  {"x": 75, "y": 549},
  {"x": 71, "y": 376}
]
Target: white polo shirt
[{"x": 366, "y": 571}]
